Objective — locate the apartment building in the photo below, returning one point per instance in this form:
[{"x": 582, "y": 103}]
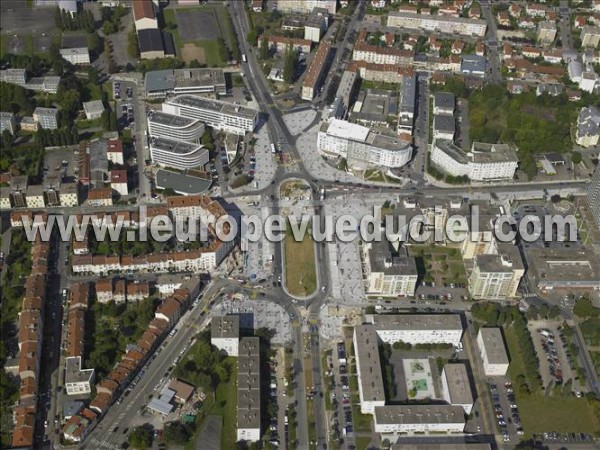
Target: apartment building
[
  {"x": 418, "y": 328},
  {"x": 7, "y": 122},
  {"x": 439, "y": 23},
  {"x": 362, "y": 146},
  {"x": 572, "y": 269},
  {"x": 80, "y": 55},
  {"x": 492, "y": 351},
  {"x": 68, "y": 195},
  {"x": 118, "y": 182},
  {"x": 114, "y": 151},
  {"x": 590, "y": 36},
  {"x": 93, "y": 110},
  {"x": 368, "y": 368},
  {"x": 444, "y": 103},
  {"x": 496, "y": 276},
  {"x": 168, "y": 152},
  {"x": 227, "y": 117},
  {"x": 161, "y": 124},
  {"x": 343, "y": 95},
  {"x": 249, "y": 393},
  {"x": 381, "y": 55},
  {"x": 588, "y": 127},
  {"x": 225, "y": 334},
  {"x": 406, "y": 110},
  {"x": 485, "y": 162},
  {"x": 314, "y": 28},
  {"x": 46, "y": 117},
  {"x": 315, "y": 73},
  {"x": 456, "y": 387},
  {"x": 35, "y": 196},
  {"x": 388, "y": 270},
  {"x": 546, "y": 32},
  {"x": 282, "y": 43},
  {"x": 593, "y": 196},
  {"x": 100, "y": 197},
  {"x": 306, "y": 6},
  {"x": 78, "y": 381},
  {"x": 419, "y": 419}
]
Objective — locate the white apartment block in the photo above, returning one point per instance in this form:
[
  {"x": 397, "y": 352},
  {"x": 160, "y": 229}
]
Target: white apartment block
[
  {"x": 381, "y": 55},
  {"x": 456, "y": 388},
  {"x": 46, "y": 117},
  {"x": 388, "y": 271},
  {"x": 225, "y": 334},
  {"x": 248, "y": 384},
  {"x": 588, "y": 127},
  {"x": 361, "y": 146},
  {"x": 7, "y": 122},
  {"x": 485, "y": 162},
  {"x": 76, "y": 55},
  {"x": 306, "y": 6},
  {"x": 161, "y": 124},
  {"x": 223, "y": 116},
  {"x": 78, "y": 381},
  {"x": 368, "y": 368},
  {"x": 590, "y": 36},
  {"x": 396, "y": 419},
  {"x": 418, "y": 328},
  {"x": 492, "y": 351},
  {"x": 438, "y": 24},
  {"x": 496, "y": 277}
]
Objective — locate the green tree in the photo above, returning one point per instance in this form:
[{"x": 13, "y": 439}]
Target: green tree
[
  {"x": 7, "y": 140},
  {"x": 576, "y": 157},
  {"x": 176, "y": 433},
  {"x": 133, "y": 49},
  {"x": 112, "y": 121},
  {"x": 223, "y": 52},
  {"x": 264, "y": 48},
  {"x": 140, "y": 437},
  {"x": 289, "y": 65}
]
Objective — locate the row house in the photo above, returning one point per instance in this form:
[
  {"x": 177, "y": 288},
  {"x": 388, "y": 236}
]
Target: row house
[
  {"x": 282, "y": 43},
  {"x": 553, "y": 56},
  {"x": 536, "y": 10},
  {"x": 531, "y": 52},
  {"x": 527, "y": 23}
]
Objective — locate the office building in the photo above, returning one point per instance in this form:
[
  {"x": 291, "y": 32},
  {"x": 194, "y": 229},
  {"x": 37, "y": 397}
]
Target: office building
[
  {"x": 314, "y": 28},
  {"x": 177, "y": 154},
  {"x": 572, "y": 269},
  {"x": 46, "y": 117},
  {"x": 456, "y": 387},
  {"x": 588, "y": 127},
  {"x": 159, "y": 83},
  {"x": 8, "y": 122},
  {"x": 315, "y": 73},
  {"x": 484, "y": 162},
  {"x": 306, "y": 6},
  {"x": 388, "y": 270},
  {"x": 496, "y": 276},
  {"x": 79, "y": 55},
  {"x": 225, "y": 334},
  {"x": 249, "y": 395},
  {"x": 437, "y": 23},
  {"x": 362, "y": 146},
  {"x": 419, "y": 419},
  {"x": 227, "y": 117},
  {"x": 492, "y": 351},
  {"x": 170, "y": 126},
  {"x": 593, "y": 196},
  {"x": 93, "y": 110}
]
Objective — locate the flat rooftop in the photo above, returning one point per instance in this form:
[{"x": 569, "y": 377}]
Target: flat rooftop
[
  {"x": 507, "y": 260},
  {"x": 170, "y": 120},
  {"x": 182, "y": 184},
  {"x": 223, "y": 327},
  {"x": 415, "y": 321},
  {"x": 369, "y": 364},
  {"x": 492, "y": 153},
  {"x": 419, "y": 414},
  {"x": 449, "y": 446},
  {"x": 173, "y": 146},
  {"x": 565, "y": 266},
  {"x": 458, "y": 384},
  {"x": 248, "y": 407},
  {"x": 453, "y": 151},
  {"x": 198, "y": 77},
  {"x": 494, "y": 345},
  {"x": 383, "y": 257},
  {"x": 195, "y": 101},
  {"x": 346, "y": 130},
  {"x": 74, "y": 373}
]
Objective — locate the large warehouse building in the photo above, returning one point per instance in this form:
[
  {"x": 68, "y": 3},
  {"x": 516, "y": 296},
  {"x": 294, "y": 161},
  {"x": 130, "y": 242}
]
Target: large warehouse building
[{"x": 493, "y": 351}]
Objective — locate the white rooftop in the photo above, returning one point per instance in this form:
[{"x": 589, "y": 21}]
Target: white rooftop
[{"x": 347, "y": 130}]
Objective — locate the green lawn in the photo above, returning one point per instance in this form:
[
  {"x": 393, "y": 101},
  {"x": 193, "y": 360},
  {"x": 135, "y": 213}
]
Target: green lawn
[
  {"x": 362, "y": 442},
  {"x": 224, "y": 405},
  {"x": 362, "y": 422},
  {"x": 211, "y": 52},
  {"x": 169, "y": 15},
  {"x": 300, "y": 270}
]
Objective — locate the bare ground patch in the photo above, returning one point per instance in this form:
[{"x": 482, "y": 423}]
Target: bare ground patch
[{"x": 191, "y": 51}]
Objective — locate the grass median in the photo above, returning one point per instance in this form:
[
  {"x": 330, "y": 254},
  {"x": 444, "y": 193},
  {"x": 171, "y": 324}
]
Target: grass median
[{"x": 300, "y": 269}]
